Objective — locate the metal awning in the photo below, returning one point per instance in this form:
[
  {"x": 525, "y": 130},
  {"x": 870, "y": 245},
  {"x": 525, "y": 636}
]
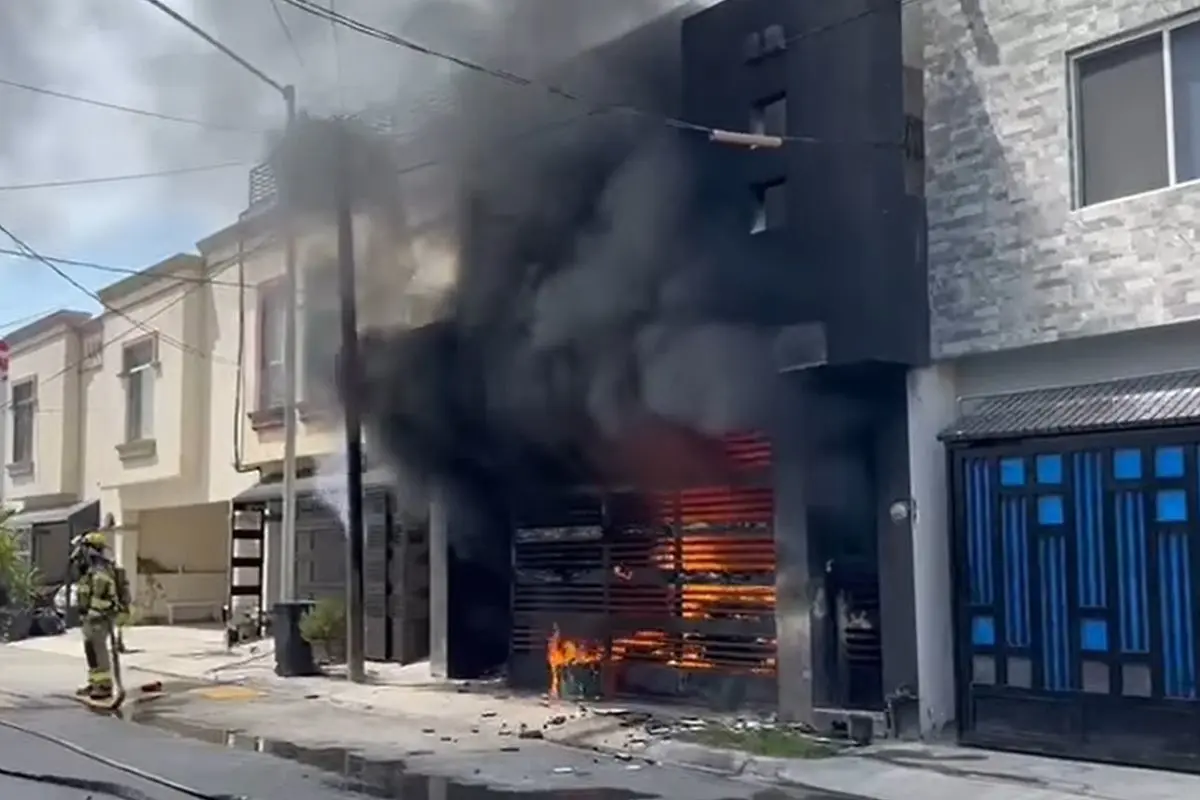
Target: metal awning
[
  {"x": 53, "y": 515},
  {"x": 272, "y": 491},
  {"x": 1155, "y": 401}
]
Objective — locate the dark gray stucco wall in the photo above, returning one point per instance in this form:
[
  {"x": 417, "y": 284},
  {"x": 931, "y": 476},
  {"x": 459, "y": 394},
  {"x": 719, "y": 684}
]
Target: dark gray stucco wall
[{"x": 1010, "y": 262}]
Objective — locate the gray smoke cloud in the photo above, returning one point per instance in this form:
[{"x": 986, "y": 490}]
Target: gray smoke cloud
[
  {"x": 609, "y": 314},
  {"x": 129, "y": 53}
]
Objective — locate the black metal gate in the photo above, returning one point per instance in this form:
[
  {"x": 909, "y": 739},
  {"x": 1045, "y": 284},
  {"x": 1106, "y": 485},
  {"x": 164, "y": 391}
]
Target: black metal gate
[
  {"x": 395, "y": 574},
  {"x": 1075, "y": 603},
  {"x": 396, "y": 570},
  {"x": 669, "y": 595}
]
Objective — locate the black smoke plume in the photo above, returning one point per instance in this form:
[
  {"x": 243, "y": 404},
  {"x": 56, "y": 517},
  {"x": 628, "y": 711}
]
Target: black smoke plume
[{"x": 611, "y": 313}]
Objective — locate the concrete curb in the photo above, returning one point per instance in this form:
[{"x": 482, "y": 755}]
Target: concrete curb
[{"x": 849, "y": 776}]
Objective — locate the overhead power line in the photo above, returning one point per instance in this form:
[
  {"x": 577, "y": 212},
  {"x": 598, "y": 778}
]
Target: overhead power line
[
  {"x": 140, "y": 112},
  {"x": 107, "y": 343},
  {"x": 287, "y": 32},
  {"x": 141, "y": 325},
  {"x": 136, "y": 176},
  {"x": 19, "y": 321},
  {"x": 212, "y": 40},
  {"x": 115, "y": 270},
  {"x": 311, "y": 7}
]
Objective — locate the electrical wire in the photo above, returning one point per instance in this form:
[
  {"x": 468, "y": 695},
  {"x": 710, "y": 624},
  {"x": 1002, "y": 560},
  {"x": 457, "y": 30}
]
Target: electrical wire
[
  {"x": 115, "y": 339},
  {"x": 141, "y": 112},
  {"x": 287, "y": 32},
  {"x": 92, "y": 294},
  {"x": 311, "y": 7},
  {"x": 107, "y": 787},
  {"x": 19, "y": 321},
  {"x": 92, "y": 265},
  {"x": 121, "y": 336},
  {"x": 212, "y": 40},
  {"x": 135, "y": 176}
]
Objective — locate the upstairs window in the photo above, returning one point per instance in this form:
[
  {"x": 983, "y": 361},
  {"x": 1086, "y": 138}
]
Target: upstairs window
[
  {"x": 321, "y": 334},
  {"x": 1137, "y": 114},
  {"x": 769, "y": 117},
  {"x": 272, "y": 344},
  {"x": 770, "y": 206},
  {"x": 23, "y": 406},
  {"x": 139, "y": 362}
]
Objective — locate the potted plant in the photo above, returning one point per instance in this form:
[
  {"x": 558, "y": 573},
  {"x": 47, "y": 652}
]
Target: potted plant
[
  {"x": 324, "y": 628},
  {"x": 19, "y": 584}
]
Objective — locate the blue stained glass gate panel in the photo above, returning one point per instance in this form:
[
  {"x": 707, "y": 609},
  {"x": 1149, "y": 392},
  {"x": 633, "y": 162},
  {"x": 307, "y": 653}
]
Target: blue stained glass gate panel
[{"x": 1076, "y": 569}]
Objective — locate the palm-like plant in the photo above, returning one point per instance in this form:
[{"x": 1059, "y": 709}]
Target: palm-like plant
[{"x": 18, "y": 577}]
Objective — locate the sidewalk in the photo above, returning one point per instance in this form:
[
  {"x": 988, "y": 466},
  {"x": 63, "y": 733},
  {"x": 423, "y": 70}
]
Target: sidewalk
[{"x": 889, "y": 771}]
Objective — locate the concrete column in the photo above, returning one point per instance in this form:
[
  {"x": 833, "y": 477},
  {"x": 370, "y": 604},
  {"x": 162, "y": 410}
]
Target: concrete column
[
  {"x": 897, "y": 613},
  {"x": 794, "y": 598},
  {"x": 931, "y": 408},
  {"x": 271, "y": 577},
  {"x": 439, "y": 579}
]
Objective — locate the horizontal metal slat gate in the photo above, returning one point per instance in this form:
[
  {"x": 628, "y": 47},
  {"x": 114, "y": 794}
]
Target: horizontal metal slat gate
[
  {"x": 672, "y": 594},
  {"x": 1076, "y": 599}
]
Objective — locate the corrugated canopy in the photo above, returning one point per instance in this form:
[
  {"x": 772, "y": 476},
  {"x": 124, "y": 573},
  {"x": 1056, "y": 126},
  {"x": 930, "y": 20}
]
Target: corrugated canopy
[
  {"x": 52, "y": 515},
  {"x": 1155, "y": 401}
]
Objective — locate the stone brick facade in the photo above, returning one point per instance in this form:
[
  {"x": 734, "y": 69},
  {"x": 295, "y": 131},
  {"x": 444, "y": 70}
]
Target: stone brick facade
[{"x": 1010, "y": 262}]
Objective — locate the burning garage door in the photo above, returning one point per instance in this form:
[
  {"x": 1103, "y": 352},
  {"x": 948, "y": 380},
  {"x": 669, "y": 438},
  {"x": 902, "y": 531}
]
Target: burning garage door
[{"x": 668, "y": 595}]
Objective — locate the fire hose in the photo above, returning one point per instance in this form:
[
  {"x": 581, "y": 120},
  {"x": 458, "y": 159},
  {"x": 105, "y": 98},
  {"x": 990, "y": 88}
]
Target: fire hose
[{"x": 110, "y": 788}]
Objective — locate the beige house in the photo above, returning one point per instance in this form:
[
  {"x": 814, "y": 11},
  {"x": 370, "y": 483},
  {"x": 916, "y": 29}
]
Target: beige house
[
  {"x": 158, "y": 413},
  {"x": 111, "y": 419},
  {"x": 43, "y": 432},
  {"x": 396, "y": 286}
]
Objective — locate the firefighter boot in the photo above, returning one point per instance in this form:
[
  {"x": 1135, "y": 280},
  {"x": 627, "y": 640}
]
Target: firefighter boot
[{"x": 100, "y": 692}]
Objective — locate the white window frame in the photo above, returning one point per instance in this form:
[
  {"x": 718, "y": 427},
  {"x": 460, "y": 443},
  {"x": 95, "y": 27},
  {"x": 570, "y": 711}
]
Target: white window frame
[
  {"x": 18, "y": 409},
  {"x": 1163, "y": 30},
  {"x": 134, "y": 377},
  {"x": 323, "y": 275},
  {"x": 272, "y": 297}
]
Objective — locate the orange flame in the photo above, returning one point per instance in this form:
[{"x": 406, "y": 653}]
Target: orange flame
[
  {"x": 702, "y": 552},
  {"x": 562, "y": 653}
]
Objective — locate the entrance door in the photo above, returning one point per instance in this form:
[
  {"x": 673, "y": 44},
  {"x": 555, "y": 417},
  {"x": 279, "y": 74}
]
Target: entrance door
[{"x": 1076, "y": 606}]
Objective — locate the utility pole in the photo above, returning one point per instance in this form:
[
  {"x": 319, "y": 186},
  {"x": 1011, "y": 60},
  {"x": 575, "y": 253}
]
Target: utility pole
[
  {"x": 291, "y": 358},
  {"x": 287, "y": 555},
  {"x": 355, "y": 601}
]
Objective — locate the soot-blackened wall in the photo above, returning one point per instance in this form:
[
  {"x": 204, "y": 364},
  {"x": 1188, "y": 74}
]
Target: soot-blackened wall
[{"x": 836, "y": 204}]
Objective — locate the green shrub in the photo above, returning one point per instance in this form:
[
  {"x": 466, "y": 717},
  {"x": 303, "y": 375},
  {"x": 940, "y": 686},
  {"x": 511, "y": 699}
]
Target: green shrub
[
  {"x": 19, "y": 580},
  {"x": 325, "y": 622}
]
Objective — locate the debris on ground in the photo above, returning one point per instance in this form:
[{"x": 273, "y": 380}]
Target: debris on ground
[{"x": 758, "y": 735}]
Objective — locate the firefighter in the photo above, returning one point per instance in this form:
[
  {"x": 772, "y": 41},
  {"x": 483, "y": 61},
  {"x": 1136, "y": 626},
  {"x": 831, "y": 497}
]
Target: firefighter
[{"x": 97, "y": 599}]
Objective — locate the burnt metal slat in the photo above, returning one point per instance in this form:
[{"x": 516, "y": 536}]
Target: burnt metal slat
[{"x": 680, "y": 583}]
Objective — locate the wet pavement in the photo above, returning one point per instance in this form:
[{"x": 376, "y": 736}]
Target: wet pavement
[{"x": 224, "y": 762}]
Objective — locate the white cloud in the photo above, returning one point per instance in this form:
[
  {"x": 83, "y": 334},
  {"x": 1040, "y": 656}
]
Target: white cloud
[{"x": 128, "y": 52}]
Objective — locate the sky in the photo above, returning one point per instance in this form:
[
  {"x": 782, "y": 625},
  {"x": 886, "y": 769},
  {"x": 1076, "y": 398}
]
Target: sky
[{"x": 128, "y": 53}]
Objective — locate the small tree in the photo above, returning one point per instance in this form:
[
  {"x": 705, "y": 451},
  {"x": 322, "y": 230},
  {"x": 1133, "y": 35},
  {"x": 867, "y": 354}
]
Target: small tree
[
  {"x": 18, "y": 583},
  {"x": 324, "y": 628},
  {"x": 18, "y": 577}
]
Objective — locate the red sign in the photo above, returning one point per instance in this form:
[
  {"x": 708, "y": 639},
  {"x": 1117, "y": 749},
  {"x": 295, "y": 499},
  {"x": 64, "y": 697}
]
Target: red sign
[{"x": 3, "y": 359}]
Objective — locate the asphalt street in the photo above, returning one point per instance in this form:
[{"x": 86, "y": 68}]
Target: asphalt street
[{"x": 228, "y": 766}]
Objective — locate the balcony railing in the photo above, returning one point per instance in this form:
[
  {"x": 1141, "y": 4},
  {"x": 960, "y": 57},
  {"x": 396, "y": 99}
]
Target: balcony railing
[{"x": 263, "y": 187}]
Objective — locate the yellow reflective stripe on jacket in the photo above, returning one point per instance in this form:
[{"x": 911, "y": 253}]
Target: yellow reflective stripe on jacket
[{"x": 97, "y": 592}]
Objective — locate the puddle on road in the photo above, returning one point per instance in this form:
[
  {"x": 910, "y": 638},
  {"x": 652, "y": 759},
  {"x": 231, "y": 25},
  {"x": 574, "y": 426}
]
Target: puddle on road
[{"x": 350, "y": 771}]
